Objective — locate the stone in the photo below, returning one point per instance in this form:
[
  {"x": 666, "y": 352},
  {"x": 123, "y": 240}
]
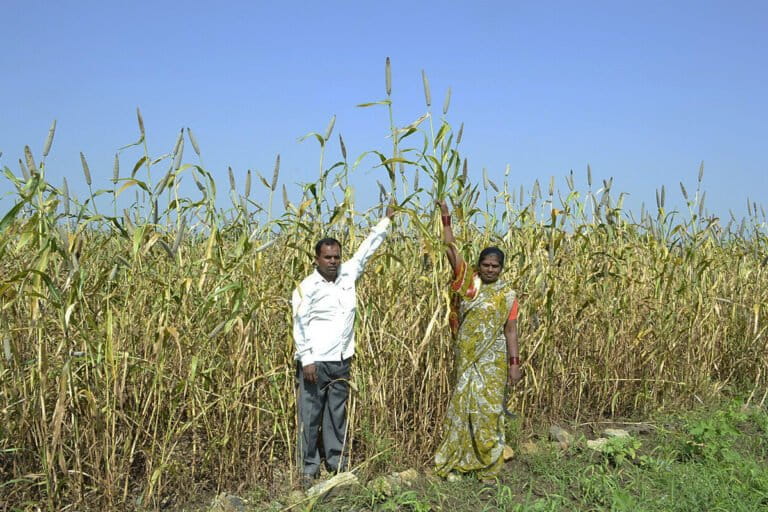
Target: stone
[
  {"x": 561, "y": 435},
  {"x": 227, "y": 503},
  {"x": 529, "y": 448},
  {"x": 408, "y": 477},
  {"x": 615, "y": 432},
  {"x": 381, "y": 485},
  {"x": 597, "y": 444},
  {"x": 388, "y": 485},
  {"x": 508, "y": 453},
  {"x": 340, "y": 480},
  {"x": 642, "y": 428}
]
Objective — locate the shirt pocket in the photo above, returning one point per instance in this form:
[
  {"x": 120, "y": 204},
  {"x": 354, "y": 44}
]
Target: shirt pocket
[{"x": 347, "y": 298}]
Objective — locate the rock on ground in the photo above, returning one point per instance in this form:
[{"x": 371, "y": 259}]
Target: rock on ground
[
  {"x": 339, "y": 480},
  {"x": 597, "y": 444},
  {"x": 561, "y": 435},
  {"x": 615, "y": 432},
  {"x": 529, "y": 448},
  {"x": 641, "y": 428},
  {"x": 228, "y": 503},
  {"x": 388, "y": 485}
]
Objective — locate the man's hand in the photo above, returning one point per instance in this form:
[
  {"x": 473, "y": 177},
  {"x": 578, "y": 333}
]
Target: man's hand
[
  {"x": 514, "y": 374},
  {"x": 390, "y": 209},
  {"x": 310, "y": 373},
  {"x": 443, "y": 207}
]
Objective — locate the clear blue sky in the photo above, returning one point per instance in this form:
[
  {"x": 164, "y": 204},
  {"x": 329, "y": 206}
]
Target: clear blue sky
[{"x": 642, "y": 91}]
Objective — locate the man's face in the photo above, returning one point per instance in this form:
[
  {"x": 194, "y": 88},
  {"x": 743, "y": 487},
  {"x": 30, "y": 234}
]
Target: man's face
[{"x": 328, "y": 261}]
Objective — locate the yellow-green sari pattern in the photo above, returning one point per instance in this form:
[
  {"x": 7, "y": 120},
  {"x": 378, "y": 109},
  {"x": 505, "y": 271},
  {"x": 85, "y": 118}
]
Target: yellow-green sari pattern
[{"x": 473, "y": 429}]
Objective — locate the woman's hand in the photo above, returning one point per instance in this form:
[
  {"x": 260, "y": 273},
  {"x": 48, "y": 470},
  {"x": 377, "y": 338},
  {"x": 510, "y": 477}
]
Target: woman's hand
[
  {"x": 454, "y": 258},
  {"x": 514, "y": 373}
]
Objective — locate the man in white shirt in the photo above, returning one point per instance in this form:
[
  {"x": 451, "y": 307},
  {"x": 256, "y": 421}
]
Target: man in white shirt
[{"x": 324, "y": 307}]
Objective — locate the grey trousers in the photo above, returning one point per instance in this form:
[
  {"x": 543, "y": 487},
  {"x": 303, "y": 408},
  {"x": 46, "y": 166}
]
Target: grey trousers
[{"x": 322, "y": 407}]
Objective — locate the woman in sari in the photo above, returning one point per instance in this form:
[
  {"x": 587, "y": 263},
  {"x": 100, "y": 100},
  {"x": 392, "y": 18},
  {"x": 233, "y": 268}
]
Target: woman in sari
[{"x": 484, "y": 322}]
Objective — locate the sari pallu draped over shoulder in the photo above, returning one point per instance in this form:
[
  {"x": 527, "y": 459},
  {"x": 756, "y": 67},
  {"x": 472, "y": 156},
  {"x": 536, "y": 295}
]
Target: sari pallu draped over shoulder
[{"x": 473, "y": 430}]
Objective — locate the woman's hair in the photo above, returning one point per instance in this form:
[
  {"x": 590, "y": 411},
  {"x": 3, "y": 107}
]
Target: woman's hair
[{"x": 488, "y": 251}]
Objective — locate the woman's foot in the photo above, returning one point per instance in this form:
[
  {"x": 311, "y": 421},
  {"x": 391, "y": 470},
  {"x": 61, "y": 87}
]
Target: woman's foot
[{"x": 453, "y": 477}]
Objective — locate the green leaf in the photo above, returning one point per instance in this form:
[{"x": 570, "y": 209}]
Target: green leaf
[
  {"x": 441, "y": 133},
  {"x": 409, "y": 131},
  {"x": 49, "y": 284},
  {"x": 120, "y": 228},
  {"x": 138, "y": 166},
  {"x": 138, "y": 237},
  {"x": 316, "y": 135},
  {"x": 129, "y": 182},
  {"x": 9, "y": 174},
  {"x": 395, "y": 161},
  {"x": 10, "y": 216},
  {"x": 363, "y": 155},
  {"x": 141, "y": 139},
  {"x": 337, "y": 214},
  {"x": 371, "y": 104}
]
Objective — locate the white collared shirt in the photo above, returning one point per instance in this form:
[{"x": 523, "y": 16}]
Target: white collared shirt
[{"x": 324, "y": 311}]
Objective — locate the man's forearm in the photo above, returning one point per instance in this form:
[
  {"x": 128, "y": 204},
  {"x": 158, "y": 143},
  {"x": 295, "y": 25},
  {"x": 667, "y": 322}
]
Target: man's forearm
[{"x": 371, "y": 243}]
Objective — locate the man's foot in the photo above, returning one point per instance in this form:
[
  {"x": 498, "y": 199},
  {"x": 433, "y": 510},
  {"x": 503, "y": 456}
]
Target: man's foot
[
  {"x": 306, "y": 481},
  {"x": 335, "y": 470}
]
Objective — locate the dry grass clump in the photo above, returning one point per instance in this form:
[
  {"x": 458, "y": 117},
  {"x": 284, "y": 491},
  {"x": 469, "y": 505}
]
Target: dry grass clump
[{"x": 147, "y": 352}]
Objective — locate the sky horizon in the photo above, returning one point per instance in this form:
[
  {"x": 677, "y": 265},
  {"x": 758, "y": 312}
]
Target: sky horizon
[{"x": 641, "y": 93}]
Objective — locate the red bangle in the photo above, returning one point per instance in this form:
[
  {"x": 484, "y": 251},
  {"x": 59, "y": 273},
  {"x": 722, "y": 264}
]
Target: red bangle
[
  {"x": 514, "y": 360},
  {"x": 446, "y": 220}
]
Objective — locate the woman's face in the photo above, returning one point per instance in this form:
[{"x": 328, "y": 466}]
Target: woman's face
[{"x": 489, "y": 269}]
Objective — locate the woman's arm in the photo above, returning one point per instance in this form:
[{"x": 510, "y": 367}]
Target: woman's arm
[
  {"x": 454, "y": 258},
  {"x": 513, "y": 351}
]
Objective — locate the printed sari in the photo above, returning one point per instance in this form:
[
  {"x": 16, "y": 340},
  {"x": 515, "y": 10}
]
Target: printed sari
[{"x": 473, "y": 429}]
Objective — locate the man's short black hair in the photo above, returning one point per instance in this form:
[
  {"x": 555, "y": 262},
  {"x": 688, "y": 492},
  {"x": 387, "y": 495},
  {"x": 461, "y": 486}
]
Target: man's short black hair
[
  {"x": 489, "y": 251},
  {"x": 326, "y": 241}
]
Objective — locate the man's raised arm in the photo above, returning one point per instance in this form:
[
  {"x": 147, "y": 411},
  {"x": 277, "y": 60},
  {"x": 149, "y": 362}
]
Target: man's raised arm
[{"x": 371, "y": 242}]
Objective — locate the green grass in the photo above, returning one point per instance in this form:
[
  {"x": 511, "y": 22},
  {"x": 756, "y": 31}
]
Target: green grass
[{"x": 728, "y": 473}]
